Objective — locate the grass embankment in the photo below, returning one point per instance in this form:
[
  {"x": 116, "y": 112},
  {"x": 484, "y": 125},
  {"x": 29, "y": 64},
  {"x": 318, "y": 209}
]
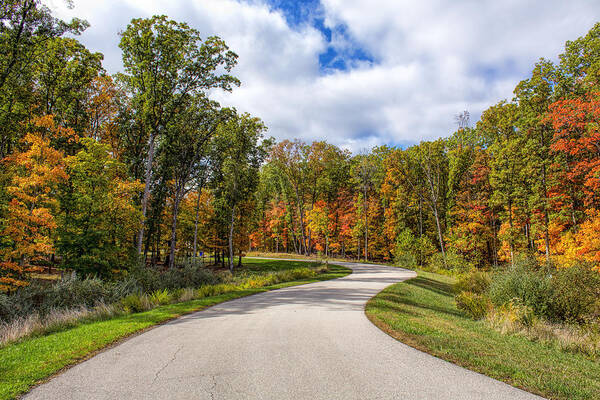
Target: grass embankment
[
  {"x": 32, "y": 360},
  {"x": 421, "y": 312}
]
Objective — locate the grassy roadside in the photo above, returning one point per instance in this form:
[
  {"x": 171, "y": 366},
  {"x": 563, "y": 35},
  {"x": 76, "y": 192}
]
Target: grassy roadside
[
  {"x": 422, "y": 313},
  {"x": 30, "y": 361},
  {"x": 313, "y": 258}
]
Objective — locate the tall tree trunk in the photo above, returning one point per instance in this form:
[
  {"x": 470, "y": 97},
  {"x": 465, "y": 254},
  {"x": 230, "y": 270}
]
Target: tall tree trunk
[
  {"x": 301, "y": 216},
  {"x": 434, "y": 208},
  {"x": 174, "y": 231},
  {"x": 546, "y": 216},
  {"x": 146, "y": 196},
  {"x": 196, "y": 225},
  {"x": 231, "y": 223},
  {"x": 439, "y": 230}
]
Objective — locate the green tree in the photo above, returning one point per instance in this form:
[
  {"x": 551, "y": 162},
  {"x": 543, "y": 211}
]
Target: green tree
[
  {"x": 98, "y": 215},
  {"x": 63, "y": 76},
  {"x": 26, "y": 27},
  {"x": 498, "y": 123},
  {"x": 533, "y": 96},
  {"x": 242, "y": 152},
  {"x": 165, "y": 63}
]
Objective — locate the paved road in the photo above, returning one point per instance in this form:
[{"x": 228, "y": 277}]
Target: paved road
[{"x": 304, "y": 342}]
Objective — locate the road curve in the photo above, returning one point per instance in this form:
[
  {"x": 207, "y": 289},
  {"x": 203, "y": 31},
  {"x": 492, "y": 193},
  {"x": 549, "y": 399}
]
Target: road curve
[{"x": 305, "y": 342}]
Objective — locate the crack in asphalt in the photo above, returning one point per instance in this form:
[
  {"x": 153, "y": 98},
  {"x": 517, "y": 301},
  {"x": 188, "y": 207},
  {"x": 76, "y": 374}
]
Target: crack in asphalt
[
  {"x": 167, "y": 364},
  {"x": 211, "y": 391}
]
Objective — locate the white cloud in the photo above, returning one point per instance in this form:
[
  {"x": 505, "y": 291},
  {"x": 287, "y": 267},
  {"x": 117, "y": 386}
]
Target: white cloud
[{"x": 433, "y": 59}]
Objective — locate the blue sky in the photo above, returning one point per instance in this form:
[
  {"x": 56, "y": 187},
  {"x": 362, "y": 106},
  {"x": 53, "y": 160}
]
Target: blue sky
[
  {"x": 310, "y": 12},
  {"x": 361, "y": 73}
]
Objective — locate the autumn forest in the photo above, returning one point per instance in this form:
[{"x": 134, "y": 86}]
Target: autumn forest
[
  {"x": 130, "y": 199},
  {"x": 100, "y": 172}
]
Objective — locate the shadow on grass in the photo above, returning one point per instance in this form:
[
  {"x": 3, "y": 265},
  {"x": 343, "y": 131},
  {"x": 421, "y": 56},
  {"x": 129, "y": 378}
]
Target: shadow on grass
[
  {"x": 445, "y": 289},
  {"x": 395, "y": 302}
]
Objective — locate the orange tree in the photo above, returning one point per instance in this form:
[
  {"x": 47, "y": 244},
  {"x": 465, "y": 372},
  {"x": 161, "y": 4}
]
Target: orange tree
[{"x": 30, "y": 215}]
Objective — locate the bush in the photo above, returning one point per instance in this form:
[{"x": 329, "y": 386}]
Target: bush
[
  {"x": 190, "y": 276},
  {"x": 475, "y": 305},
  {"x": 406, "y": 249},
  {"x": 474, "y": 281},
  {"x": 575, "y": 294},
  {"x": 136, "y": 303},
  {"x": 123, "y": 288},
  {"x": 146, "y": 279},
  {"x": 454, "y": 263},
  {"x": 529, "y": 288},
  {"x": 512, "y": 317},
  {"x": 75, "y": 292},
  {"x": 69, "y": 293},
  {"x": 160, "y": 297},
  {"x": 407, "y": 261}
]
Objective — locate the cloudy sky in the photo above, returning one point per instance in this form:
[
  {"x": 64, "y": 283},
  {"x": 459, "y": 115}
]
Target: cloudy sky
[{"x": 361, "y": 73}]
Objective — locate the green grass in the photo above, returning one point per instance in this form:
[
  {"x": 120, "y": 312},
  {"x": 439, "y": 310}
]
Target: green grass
[
  {"x": 260, "y": 265},
  {"x": 33, "y": 360},
  {"x": 422, "y": 313}
]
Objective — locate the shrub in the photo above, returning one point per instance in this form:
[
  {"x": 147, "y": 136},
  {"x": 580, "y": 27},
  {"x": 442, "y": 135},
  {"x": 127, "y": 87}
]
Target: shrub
[
  {"x": 475, "y": 305},
  {"x": 160, "y": 297},
  {"x": 189, "y": 276},
  {"x": 474, "y": 281},
  {"x": 66, "y": 294},
  {"x": 512, "y": 317},
  {"x": 406, "y": 249},
  {"x": 529, "y": 288},
  {"x": 123, "y": 288},
  {"x": 146, "y": 279},
  {"x": 405, "y": 261},
  {"x": 136, "y": 303},
  {"x": 453, "y": 262},
  {"x": 575, "y": 294},
  {"x": 186, "y": 294},
  {"x": 76, "y": 292}
]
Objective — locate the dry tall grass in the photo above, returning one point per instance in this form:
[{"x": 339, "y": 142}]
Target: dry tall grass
[
  {"x": 36, "y": 324},
  {"x": 55, "y": 320},
  {"x": 516, "y": 319}
]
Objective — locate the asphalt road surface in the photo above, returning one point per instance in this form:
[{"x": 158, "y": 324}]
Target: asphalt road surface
[{"x": 305, "y": 342}]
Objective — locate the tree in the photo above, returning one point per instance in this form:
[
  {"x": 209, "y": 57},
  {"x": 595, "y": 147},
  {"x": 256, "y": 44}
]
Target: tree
[
  {"x": 63, "y": 76},
  {"x": 242, "y": 154},
  {"x": 533, "y": 96},
  {"x": 184, "y": 148},
  {"x": 364, "y": 172},
  {"x": 497, "y": 125},
  {"x": 433, "y": 164},
  {"x": 30, "y": 220},
  {"x": 98, "y": 215},
  {"x": 166, "y": 62},
  {"x": 26, "y": 27},
  {"x": 291, "y": 158}
]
